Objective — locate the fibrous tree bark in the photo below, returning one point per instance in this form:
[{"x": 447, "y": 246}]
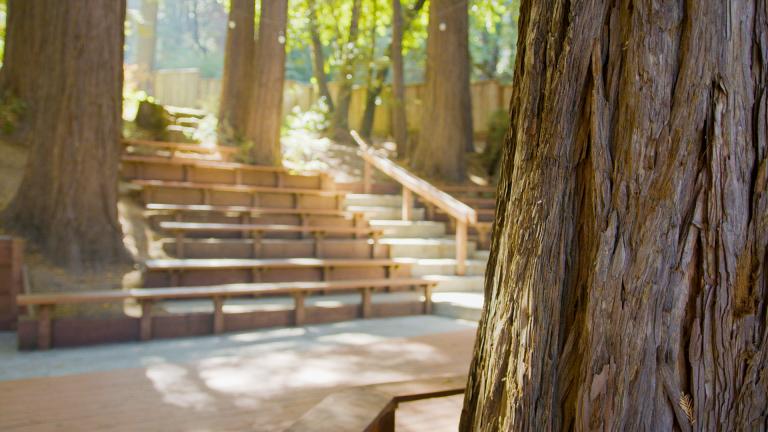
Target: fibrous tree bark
[
  {"x": 340, "y": 120},
  {"x": 269, "y": 75},
  {"x": 318, "y": 57},
  {"x": 627, "y": 285},
  {"x": 237, "y": 79},
  {"x": 67, "y": 200},
  {"x": 446, "y": 131},
  {"x": 147, "y": 43}
]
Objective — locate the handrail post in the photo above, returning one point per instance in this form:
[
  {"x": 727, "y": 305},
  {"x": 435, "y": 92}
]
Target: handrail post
[
  {"x": 367, "y": 174},
  {"x": 407, "y": 204},
  {"x": 461, "y": 247}
]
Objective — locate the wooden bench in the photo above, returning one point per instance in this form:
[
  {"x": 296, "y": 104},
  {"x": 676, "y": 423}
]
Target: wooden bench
[
  {"x": 224, "y": 152},
  {"x": 240, "y": 174},
  {"x": 175, "y": 268},
  {"x": 206, "y": 189},
  {"x": 258, "y": 231},
  {"x": 245, "y": 213},
  {"x": 372, "y": 408},
  {"x": 45, "y": 303}
]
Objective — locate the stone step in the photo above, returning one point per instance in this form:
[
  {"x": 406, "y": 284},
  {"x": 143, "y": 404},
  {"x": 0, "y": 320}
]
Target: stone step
[
  {"x": 401, "y": 228},
  {"x": 459, "y": 305},
  {"x": 446, "y": 267},
  {"x": 453, "y": 283},
  {"x": 404, "y": 247},
  {"x": 374, "y": 200},
  {"x": 385, "y": 213}
]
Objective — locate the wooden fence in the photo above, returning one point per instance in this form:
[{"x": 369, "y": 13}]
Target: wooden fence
[{"x": 186, "y": 88}]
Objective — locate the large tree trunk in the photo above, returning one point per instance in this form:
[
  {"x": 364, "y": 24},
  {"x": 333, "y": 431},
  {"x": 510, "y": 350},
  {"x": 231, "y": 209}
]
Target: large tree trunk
[
  {"x": 146, "y": 44},
  {"x": 269, "y": 74},
  {"x": 20, "y": 62},
  {"x": 237, "y": 80},
  {"x": 340, "y": 120},
  {"x": 446, "y": 130},
  {"x": 67, "y": 200},
  {"x": 318, "y": 58},
  {"x": 399, "y": 123},
  {"x": 627, "y": 285}
]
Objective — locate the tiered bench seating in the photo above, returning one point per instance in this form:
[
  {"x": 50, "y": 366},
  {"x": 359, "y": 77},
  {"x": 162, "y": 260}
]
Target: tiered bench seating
[
  {"x": 44, "y": 331},
  {"x": 259, "y": 231},
  {"x": 173, "y": 149}
]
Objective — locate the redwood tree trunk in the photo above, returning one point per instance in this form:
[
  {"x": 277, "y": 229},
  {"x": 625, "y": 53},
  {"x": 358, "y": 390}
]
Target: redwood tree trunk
[
  {"x": 67, "y": 200},
  {"x": 318, "y": 58},
  {"x": 237, "y": 80},
  {"x": 340, "y": 120},
  {"x": 627, "y": 288},
  {"x": 446, "y": 130},
  {"x": 269, "y": 74},
  {"x": 399, "y": 123}
]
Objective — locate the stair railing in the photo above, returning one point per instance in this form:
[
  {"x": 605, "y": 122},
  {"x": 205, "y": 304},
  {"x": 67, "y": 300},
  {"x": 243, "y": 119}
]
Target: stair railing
[{"x": 463, "y": 214}]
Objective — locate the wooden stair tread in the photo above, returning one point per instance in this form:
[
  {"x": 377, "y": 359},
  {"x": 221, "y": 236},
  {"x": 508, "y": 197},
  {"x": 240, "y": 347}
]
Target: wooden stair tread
[
  {"x": 252, "y": 210},
  {"x": 236, "y": 188},
  {"x": 196, "y": 148},
  {"x": 212, "y": 291},
  {"x": 204, "y": 226},
  {"x": 229, "y": 263},
  {"x": 203, "y": 163}
]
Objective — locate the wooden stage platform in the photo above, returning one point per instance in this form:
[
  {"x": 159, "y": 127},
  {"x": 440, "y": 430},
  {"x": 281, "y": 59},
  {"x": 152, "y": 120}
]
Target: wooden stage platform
[{"x": 264, "y": 392}]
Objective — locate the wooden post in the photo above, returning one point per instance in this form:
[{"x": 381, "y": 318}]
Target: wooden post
[
  {"x": 298, "y": 313},
  {"x": 145, "y": 322},
  {"x": 206, "y": 196},
  {"x": 366, "y": 302},
  {"x": 386, "y": 422},
  {"x": 179, "y": 244},
  {"x": 319, "y": 244},
  {"x": 44, "y": 336},
  {"x": 461, "y": 248},
  {"x": 407, "y": 204},
  {"x": 367, "y": 175},
  {"x": 11, "y": 280},
  {"x": 427, "y": 299},
  {"x": 218, "y": 315},
  {"x": 256, "y": 246}
]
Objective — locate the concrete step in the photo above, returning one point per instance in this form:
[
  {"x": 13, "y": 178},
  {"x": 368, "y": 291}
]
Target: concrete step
[
  {"x": 458, "y": 305},
  {"x": 482, "y": 255},
  {"x": 387, "y": 213},
  {"x": 453, "y": 283},
  {"x": 374, "y": 200},
  {"x": 445, "y": 266},
  {"x": 401, "y": 228},
  {"x": 445, "y": 247}
]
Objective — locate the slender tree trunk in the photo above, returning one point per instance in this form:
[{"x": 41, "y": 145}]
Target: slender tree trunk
[
  {"x": 372, "y": 93},
  {"x": 269, "y": 75},
  {"x": 627, "y": 287},
  {"x": 67, "y": 200},
  {"x": 21, "y": 62},
  {"x": 340, "y": 119},
  {"x": 447, "y": 110},
  {"x": 237, "y": 80},
  {"x": 399, "y": 123},
  {"x": 147, "y": 42},
  {"x": 318, "y": 58}
]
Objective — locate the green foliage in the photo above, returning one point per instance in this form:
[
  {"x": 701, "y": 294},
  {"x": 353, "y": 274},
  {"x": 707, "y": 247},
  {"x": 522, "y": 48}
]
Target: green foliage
[{"x": 498, "y": 125}]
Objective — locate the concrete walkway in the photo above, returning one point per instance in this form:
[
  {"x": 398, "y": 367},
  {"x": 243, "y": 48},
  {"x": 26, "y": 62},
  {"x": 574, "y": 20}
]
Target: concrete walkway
[{"x": 261, "y": 380}]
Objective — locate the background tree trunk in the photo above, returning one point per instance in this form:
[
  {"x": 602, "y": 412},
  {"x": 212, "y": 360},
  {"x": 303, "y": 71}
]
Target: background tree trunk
[
  {"x": 627, "y": 283},
  {"x": 340, "y": 120},
  {"x": 446, "y": 103},
  {"x": 21, "y": 63},
  {"x": 399, "y": 123},
  {"x": 269, "y": 74},
  {"x": 237, "y": 79},
  {"x": 67, "y": 200},
  {"x": 146, "y": 43},
  {"x": 318, "y": 58}
]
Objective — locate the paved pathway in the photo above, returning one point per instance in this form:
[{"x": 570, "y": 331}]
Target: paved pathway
[{"x": 260, "y": 380}]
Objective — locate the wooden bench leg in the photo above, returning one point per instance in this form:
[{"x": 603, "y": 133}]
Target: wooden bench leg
[
  {"x": 145, "y": 322},
  {"x": 318, "y": 244},
  {"x": 206, "y": 196},
  {"x": 256, "y": 248},
  {"x": 179, "y": 244},
  {"x": 298, "y": 309},
  {"x": 366, "y": 302},
  {"x": 218, "y": 315},
  {"x": 428, "y": 299},
  {"x": 44, "y": 333}
]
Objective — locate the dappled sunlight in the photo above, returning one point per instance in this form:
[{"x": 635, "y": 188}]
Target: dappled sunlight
[{"x": 178, "y": 387}]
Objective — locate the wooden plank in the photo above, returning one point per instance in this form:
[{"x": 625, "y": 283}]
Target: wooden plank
[
  {"x": 252, "y": 211},
  {"x": 232, "y": 263},
  {"x": 218, "y": 314},
  {"x": 299, "y": 312},
  {"x": 235, "y": 188},
  {"x": 180, "y": 227},
  {"x": 44, "y": 335},
  {"x": 145, "y": 322}
]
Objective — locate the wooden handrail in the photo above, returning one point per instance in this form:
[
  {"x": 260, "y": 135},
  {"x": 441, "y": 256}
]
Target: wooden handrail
[
  {"x": 412, "y": 184},
  {"x": 372, "y": 408}
]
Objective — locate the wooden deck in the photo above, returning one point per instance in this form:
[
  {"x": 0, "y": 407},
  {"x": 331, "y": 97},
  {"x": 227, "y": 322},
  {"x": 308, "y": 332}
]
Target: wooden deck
[{"x": 232, "y": 392}]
